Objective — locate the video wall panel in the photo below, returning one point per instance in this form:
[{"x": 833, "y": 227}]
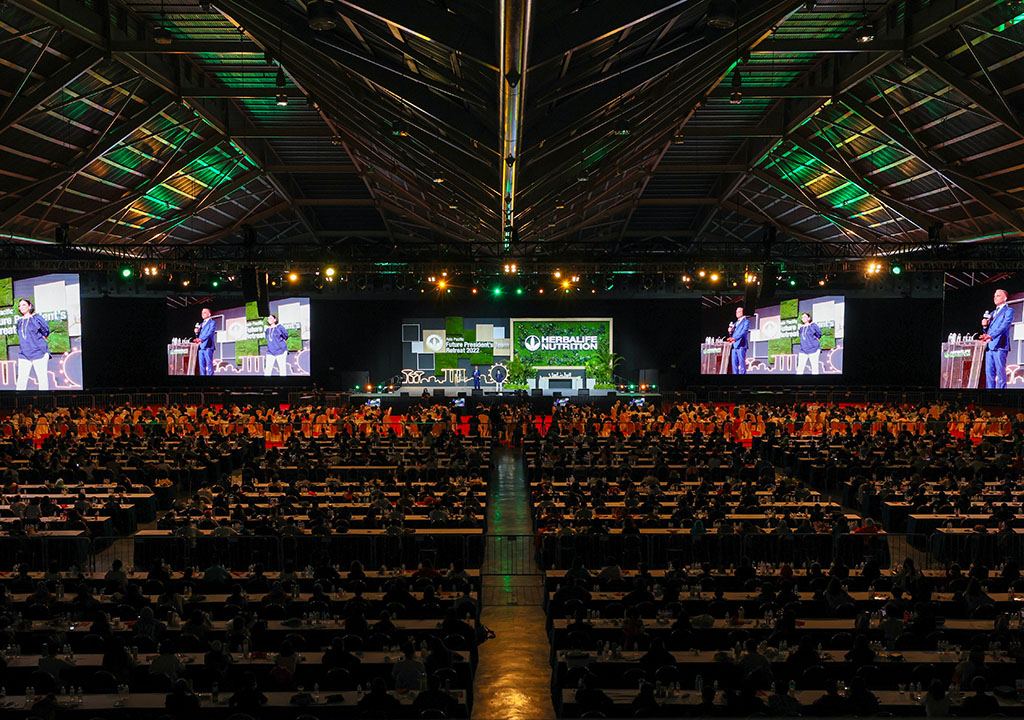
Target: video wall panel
[
  {"x": 796, "y": 336},
  {"x": 207, "y": 339}
]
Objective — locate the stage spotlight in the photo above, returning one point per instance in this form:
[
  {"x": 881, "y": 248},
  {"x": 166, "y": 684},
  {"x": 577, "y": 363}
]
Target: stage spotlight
[
  {"x": 442, "y": 284},
  {"x": 792, "y": 282},
  {"x": 558, "y": 274},
  {"x": 566, "y": 283},
  {"x": 701, "y": 273},
  {"x": 822, "y": 283},
  {"x": 714, "y": 277},
  {"x": 330, "y": 272},
  {"x": 185, "y": 282},
  {"x": 294, "y": 277},
  {"x": 474, "y": 291},
  {"x": 896, "y": 270},
  {"x": 519, "y": 291},
  {"x": 126, "y": 272},
  {"x": 497, "y": 291}
]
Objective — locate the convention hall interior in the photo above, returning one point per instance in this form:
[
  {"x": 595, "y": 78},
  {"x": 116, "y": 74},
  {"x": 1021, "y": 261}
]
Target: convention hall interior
[{"x": 382, "y": 359}]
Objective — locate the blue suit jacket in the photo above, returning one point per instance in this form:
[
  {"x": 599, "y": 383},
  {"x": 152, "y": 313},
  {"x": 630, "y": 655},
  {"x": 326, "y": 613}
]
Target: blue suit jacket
[
  {"x": 999, "y": 328},
  {"x": 740, "y": 332},
  {"x": 207, "y": 332}
]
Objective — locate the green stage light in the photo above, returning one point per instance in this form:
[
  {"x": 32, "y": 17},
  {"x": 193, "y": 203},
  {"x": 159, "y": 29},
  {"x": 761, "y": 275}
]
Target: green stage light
[
  {"x": 497, "y": 291},
  {"x": 216, "y": 283},
  {"x": 792, "y": 282},
  {"x": 126, "y": 272},
  {"x": 519, "y": 291},
  {"x": 896, "y": 269}
]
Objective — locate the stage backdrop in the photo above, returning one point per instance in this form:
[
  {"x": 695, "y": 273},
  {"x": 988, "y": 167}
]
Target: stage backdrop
[{"x": 446, "y": 351}]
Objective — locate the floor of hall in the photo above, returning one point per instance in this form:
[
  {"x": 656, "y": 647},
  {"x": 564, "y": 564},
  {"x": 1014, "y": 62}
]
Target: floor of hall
[{"x": 513, "y": 678}]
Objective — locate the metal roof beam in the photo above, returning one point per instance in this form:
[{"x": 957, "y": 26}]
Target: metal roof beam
[
  {"x": 794, "y": 194},
  {"x": 964, "y": 85},
  {"x": 825, "y": 47},
  {"x": 587, "y": 23},
  {"x": 114, "y": 137},
  {"x": 936, "y": 162},
  {"x": 434, "y": 24},
  {"x": 21, "y": 106},
  {"x": 186, "y": 47},
  {"x": 843, "y": 169},
  {"x": 216, "y": 195},
  {"x": 92, "y": 220}
]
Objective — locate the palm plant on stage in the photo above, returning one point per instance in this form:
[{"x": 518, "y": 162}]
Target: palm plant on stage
[
  {"x": 601, "y": 367},
  {"x": 520, "y": 373}
]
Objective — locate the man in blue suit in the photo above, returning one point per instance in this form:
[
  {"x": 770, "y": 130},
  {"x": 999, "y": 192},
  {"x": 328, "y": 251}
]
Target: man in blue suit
[
  {"x": 997, "y": 339},
  {"x": 740, "y": 333},
  {"x": 476, "y": 377},
  {"x": 206, "y": 339}
]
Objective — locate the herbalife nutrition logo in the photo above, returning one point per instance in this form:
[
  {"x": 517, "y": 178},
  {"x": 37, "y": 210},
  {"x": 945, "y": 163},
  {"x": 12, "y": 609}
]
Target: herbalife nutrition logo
[{"x": 534, "y": 343}]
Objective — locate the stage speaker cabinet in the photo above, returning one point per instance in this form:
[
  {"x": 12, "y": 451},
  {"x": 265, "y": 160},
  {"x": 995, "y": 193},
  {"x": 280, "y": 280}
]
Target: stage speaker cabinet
[
  {"x": 438, "y": 392},
  {"x": 536, "y": 392},
  {"x": 556, "y": 393},
  {"x": 584, "y": 392},
  {"x": 403, "y": 394},
  {"x": 768, "y": 280},
  {"x": 478, "y": 392},
  {"x": 254, "y": 289},
  {"x": 460, "y": 393}
]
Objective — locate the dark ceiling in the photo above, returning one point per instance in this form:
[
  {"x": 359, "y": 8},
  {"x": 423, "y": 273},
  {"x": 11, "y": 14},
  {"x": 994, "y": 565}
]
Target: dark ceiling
[{"x": 472, "y": 132}]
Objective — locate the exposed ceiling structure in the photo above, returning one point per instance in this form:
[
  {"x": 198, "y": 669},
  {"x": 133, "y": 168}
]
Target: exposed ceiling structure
[{"x": 471, "y": 132}]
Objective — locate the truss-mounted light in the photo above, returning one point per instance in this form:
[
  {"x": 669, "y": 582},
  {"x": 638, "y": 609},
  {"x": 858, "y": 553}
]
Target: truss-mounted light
[
  {"x": 722, "y": 14},
  {"x": 281, "y": 99},
  {"x": 321, "y": 15},
  {"x": 866, "y": 33}
]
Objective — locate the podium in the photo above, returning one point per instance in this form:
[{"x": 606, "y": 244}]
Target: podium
[
  {"x": 962, "y": 363},
  {"x": 182, "y": 358},
  {"x": 715, "y": 358}
]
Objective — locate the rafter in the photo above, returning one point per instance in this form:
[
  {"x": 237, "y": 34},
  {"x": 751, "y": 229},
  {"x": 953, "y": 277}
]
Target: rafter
[
  {"x": 104, "y": 144},
  {"x": 958, "y": 176}
]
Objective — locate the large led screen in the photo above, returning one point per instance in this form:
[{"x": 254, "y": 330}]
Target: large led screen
[
  {"x": 41, "y": 333},
  {"x": 798, "y": 336},
  {"x": 982, "y": 341},
  {"x": 208, "y": 339}
]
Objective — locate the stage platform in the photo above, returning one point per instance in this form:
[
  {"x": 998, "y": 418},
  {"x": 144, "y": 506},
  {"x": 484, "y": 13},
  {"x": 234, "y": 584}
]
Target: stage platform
[{"x": 457, "y": 392}]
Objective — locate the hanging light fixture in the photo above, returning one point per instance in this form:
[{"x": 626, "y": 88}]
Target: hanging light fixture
[
  {"x": 282, "y": 97},
  {"x": 320, "y": 15},
  {"x": 736, "y": 96},
  {"x": 160, "y": 34},
  {"x": 867, "y": 30},
  {"x": 721, "y": 14}
]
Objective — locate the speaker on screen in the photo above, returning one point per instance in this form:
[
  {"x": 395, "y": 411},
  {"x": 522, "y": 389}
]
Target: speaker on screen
[{"x": 254, "y": 289}]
